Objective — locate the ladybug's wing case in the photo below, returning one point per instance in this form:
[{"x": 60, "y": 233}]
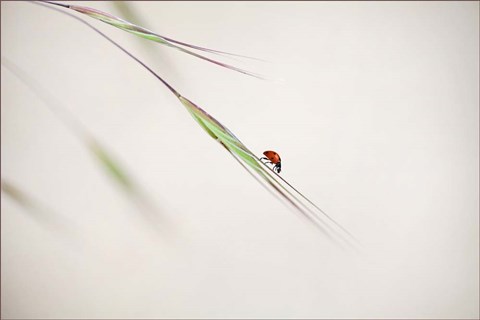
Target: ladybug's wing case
[{"x": 272, "y": 156}]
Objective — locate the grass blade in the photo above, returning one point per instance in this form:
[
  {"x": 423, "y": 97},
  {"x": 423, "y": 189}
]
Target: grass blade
[
  {"x": 250, "y": 162},
  {"x": 152, "y": 36},
  {"x": 107, "y": 162}
]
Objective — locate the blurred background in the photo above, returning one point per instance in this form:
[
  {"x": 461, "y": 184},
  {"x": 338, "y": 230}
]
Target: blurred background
[{"x": 373, "y": 109}]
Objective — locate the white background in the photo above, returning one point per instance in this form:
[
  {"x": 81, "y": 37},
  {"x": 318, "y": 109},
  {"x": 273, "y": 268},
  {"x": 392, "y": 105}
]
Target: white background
[{"x": 375, "y": 115}]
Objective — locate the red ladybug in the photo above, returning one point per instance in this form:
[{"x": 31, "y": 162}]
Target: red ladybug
[{"x": 274, "y": 158}]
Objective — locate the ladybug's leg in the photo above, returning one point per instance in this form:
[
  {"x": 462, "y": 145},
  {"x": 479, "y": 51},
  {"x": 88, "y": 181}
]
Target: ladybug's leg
[{"x": 268, "y": 161}]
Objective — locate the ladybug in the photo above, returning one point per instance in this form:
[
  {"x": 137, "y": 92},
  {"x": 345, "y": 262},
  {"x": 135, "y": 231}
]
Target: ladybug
[{"x": 274, "y": 158}]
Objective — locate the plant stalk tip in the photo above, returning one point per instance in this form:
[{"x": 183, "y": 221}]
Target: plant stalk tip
[{"x": 58, "y": 4}]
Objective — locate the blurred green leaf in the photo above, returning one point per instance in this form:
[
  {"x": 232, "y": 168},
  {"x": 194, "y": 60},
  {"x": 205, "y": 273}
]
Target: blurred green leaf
[
  {"x": 16, "y": 194},
  {"x": 111, "y": 166}
]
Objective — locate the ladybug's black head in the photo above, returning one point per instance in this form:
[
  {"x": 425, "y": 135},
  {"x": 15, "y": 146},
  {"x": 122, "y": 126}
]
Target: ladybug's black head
[{"x": 278, "y": 167}]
